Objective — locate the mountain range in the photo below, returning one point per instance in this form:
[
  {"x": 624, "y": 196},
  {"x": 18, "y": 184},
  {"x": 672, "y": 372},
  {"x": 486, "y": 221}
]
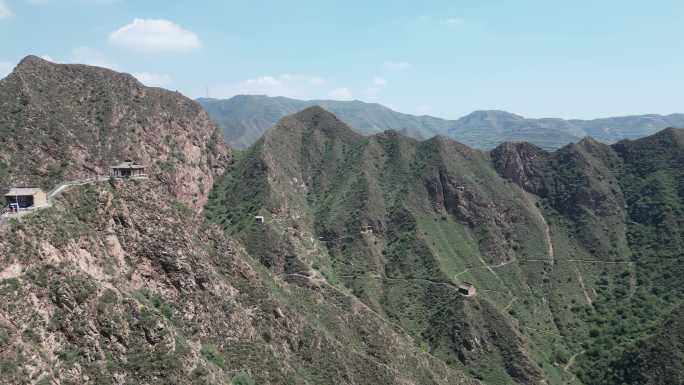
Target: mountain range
[
  {"x": 244, "y": 118},
  {"x": 575, "y": 254},
  {"x": 319, "y": 255}
]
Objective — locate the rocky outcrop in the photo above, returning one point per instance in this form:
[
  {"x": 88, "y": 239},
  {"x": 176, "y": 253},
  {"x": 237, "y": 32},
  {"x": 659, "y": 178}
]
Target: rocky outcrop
[
  {"x": 117, "y": 284},
  {"x": 523, "y": 164},
  {"x": 63, "y": 122}
]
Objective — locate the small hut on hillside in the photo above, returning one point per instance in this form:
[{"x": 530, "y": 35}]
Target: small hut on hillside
[
  {"x": 128, "y": 169},
  {"x": 467, "y": 289},
  {"x": 25, "y": 198}
]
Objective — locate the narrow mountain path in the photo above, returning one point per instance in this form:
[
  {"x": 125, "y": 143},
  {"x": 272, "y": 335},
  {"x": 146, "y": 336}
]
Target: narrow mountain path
[
  {"x": 491, "y": 270},
  {"x": 584, "y": 289},
  {"x": 569, "y": 364},
  {"x": 545, "y": 226},
  {"x": 428, "y": 281},
  {"x": 581, "y": 260},
  {"x": 571, "y": 361},
  {"x": 542, "y": 331},
  {"x": 510, "y": 304},
  {"x": 78, "y": 182},
  {"x": 489, "y": 267},
  {"x": 632, "y": 281},
  {"x": 51, "y": 195}
]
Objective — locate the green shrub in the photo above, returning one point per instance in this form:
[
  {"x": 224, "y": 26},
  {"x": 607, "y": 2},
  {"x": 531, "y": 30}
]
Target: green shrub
[
  {"x": 213, "y": 355},
  {"x": 243, "y": 379}
]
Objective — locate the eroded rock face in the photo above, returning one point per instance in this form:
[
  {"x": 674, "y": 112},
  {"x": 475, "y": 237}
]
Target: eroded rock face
[
  {"x": 117, "y": 284},
  {"x": 64, "y": 122},
  {"x": 521, "y": 163}
]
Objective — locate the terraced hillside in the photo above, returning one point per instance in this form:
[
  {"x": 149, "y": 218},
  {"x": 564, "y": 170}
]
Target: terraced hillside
[{"x": 566, "y": 249}]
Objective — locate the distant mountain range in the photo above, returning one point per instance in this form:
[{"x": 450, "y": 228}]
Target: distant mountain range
[{"x": 244, "y": 118}]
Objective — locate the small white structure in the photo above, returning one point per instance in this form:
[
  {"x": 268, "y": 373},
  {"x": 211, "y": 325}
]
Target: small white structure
[
  {"x": 259, "y": 219},
  {"x": 366, "y": 229}
]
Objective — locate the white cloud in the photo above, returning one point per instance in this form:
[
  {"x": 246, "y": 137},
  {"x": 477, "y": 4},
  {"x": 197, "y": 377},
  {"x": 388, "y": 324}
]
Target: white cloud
[
  {"x": 5, "y": 68},
  {"x": 5, "y": 12},
  {"x": 453, "y": 21},
  {"x": 153, "y": 79},
  {"x": 154, "y": 35},
  {"x": 397, "y": 65},
  {"x": 91, "y": 56},
  {"x": 342, "y": 93},
  {"x": 289, "y": 85},
  {"x": 379, "y": 82},
  {"x": 48, "y": 58}
]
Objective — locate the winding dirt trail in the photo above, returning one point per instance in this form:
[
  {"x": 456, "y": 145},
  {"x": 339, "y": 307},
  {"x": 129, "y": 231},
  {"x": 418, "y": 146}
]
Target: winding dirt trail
[
  {"x": 584, "y": 289},
  {"x": 547, "y": 230},
  {"x": 571, "y": 361}
]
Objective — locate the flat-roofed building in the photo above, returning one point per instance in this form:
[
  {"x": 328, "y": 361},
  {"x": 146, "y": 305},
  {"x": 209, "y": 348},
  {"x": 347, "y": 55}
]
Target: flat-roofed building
[
  {"x": 128, "y": 169},
  {"x": 20, "y": 198}
]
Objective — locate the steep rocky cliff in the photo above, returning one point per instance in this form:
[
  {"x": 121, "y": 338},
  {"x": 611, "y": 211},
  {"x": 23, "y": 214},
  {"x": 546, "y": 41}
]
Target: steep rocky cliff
[{"x": 64, "y": 122}]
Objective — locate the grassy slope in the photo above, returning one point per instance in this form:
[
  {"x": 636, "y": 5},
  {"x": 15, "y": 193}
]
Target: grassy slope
[
  {"x": 427, "y": 231},
  {"x": 405, "y": 190},
  {"x": 615, "y": 216}
]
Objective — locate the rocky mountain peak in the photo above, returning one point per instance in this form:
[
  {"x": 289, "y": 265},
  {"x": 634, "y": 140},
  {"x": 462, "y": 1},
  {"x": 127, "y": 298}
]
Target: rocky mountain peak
[
  {"x": 61, "y": 122},
  {"x": 520, "y": 162},
  {"x": 315, "y": 120}
]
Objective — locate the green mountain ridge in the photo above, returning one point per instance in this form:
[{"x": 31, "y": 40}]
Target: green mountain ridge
[
  {"x": 124, "y": 282},
  {"x": 565, "y": 248},
  {"x": 244, "y": 118},
  {"x": 353, "y": 277}
]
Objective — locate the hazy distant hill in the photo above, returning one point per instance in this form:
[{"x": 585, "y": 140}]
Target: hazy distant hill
[
  {"x": 244, "y": 118},
  {"x": 487, "y": 129}
]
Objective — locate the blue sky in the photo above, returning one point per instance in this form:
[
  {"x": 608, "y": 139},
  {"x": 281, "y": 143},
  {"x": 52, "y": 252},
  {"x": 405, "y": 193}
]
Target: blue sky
[{"x": 581, "y": 59}]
